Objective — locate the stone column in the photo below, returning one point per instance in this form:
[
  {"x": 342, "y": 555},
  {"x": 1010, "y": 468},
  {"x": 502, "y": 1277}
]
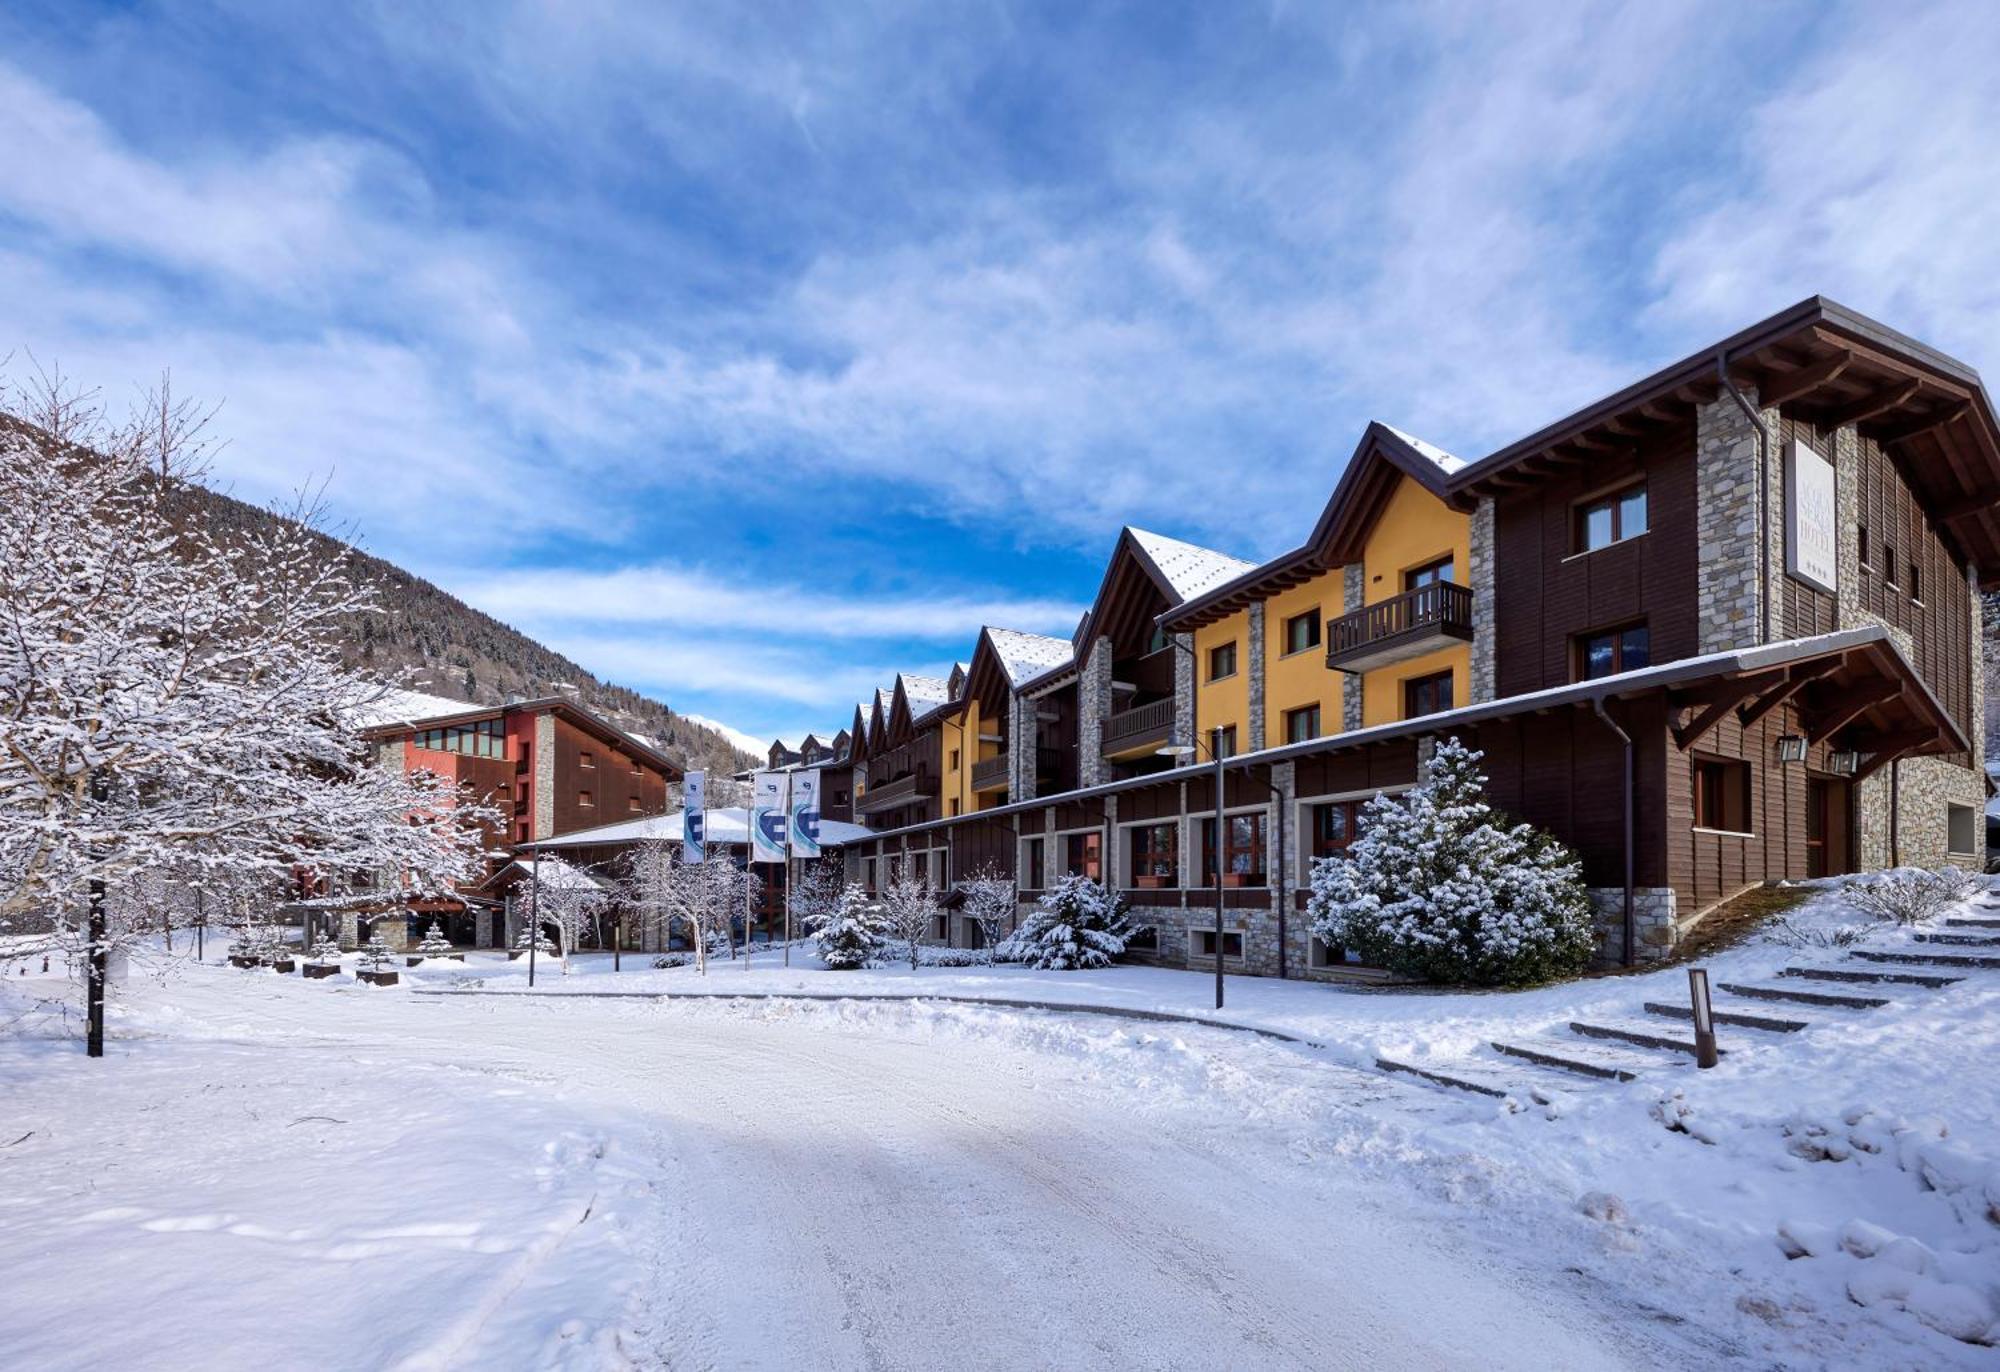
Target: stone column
[
  {"x": 1255, "y": 650},
  {"x": 1284, "y": 777},
  {"x": 1184, "y": 723},
  {"x": 1093, "y": 702},
  {"x": 1354, "y": 582},
  {"x": 1479, "y": 576},
  {"x": 1023, "y": 737},
  {"x": 1729, "y": 600},
  {"x": 545, "y": 775}
]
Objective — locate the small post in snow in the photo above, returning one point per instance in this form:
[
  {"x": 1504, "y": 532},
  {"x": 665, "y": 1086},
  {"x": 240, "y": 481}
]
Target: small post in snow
[
  {"x": 534, "y": 914},
  {"x": 1705, "y": 1054}
]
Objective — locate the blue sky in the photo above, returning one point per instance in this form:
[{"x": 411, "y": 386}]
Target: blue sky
[{"x": 751, "y": 353}]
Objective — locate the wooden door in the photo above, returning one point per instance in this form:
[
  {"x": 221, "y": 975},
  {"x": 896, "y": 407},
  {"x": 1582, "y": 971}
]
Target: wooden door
[{"x": 1829, "y": 827}]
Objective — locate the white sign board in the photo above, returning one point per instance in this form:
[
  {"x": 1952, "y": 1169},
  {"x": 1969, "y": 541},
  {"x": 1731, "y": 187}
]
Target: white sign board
[
  {"x": 805, "y": 813},
  {"x": 768, "y": 820},
  {"x": 1812, "y": 523},
  {"x": 694, "y": 817}
]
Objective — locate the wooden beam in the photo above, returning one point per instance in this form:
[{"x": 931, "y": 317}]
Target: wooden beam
[
  {"x": 1889, "y": 747},
  {"x": 1686, "y": 737},
  {"x": 1847, "y": 711},
  {"x": 1795, "y": 682},
  {"x": 1731, "y": 689},
  {"x": 1923, "y": 424},
  {"x": 1966, "y": 507},
  {"x": 1881, "y": 402},
  {"x": 1786, "y": 386}
]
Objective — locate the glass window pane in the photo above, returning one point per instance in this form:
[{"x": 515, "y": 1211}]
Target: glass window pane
[
  {"x": 1638, "y": 650},
  {"x": 1596, "y": 527},
  {"x": 1597, "y": 656},
  {"x": 1632, "y": 513}
]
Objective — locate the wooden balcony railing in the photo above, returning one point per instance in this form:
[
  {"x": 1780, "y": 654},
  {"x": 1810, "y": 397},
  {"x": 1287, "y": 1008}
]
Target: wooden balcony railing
[
  {"x": 1409, "y": 625},
  {"x": 888, "y": 794},
  {"x": 990, "y": 774},
  {"x": 1128, "y": 729}
]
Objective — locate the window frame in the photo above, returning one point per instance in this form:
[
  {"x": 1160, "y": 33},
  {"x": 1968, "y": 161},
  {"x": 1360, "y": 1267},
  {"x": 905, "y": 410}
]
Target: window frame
[
  {"x": 1612, "y": 499},
  {"x": 1200, "y": 932},
  {"x": 1034, "y": 862},
  {"x": 1711, "y": 775},
  {"x": 1411, "y": 685},
  {"x": 1311, "y": 619},
  {"x": 1234, "y": 665},
  {"x": 1294, "y": 714},
  {"x": 1258, "y": 850},
  {"x": 1952, "y": 811},
  {"x": 1580, "y": 650},
  {"x": 1412, "y": 575},
  {"x": 1130, "y": 854}
]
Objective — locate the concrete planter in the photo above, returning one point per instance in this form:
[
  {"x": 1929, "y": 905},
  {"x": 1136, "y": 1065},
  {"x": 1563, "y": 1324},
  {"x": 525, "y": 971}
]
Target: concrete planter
[
  {"x": 379, "y": 978},
  {"x": 318, "y": 970},
  {"x": 412, "y": 961},
  {"x": 284, "y": 967}
]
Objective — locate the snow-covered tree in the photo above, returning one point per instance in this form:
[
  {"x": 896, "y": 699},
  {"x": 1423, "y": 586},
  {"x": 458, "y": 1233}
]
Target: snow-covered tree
[
  {"x": 565, "y": 898},
  {"x": 992, "y": 903},
  {"x": 434, "y": 944},
  {"x": 377, "y": 955},
  {"x": 849, "y": 934},
  {"x": 533, "y": 936},
  {"x": 815, "y": 892},
  {"x": 326, "y": 952},
  {"x": 908, "y": 911},
  {"x": 1075, "y": 926},
  {"x": 698, "y": 899},
  {"x": 175, "y": 698},
  {"x": 1438, "y": 887}
]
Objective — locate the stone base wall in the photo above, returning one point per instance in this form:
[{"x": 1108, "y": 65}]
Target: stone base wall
[
  {"x": 1653, "y": 916},
  {"x": 1916, "y": 791}
]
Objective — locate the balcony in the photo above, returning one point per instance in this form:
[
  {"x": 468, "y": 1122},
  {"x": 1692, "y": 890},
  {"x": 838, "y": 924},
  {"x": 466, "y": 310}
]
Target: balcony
[
  {"x": 888, "y": 795},
  {"x": 990, "y": 774},
  {"x": 1391, "y": 631},
  {"x": 1142, "y": 727}
]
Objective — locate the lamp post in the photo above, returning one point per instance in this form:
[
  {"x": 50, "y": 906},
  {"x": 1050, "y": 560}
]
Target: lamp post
[
  {"x": 1705, "y": 1054},
  {"x": 1186, "y": 750}
]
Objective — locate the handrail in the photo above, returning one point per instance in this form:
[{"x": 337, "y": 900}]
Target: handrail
[{"x": 1441, "y": 605}]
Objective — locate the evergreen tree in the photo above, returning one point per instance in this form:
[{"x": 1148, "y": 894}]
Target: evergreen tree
[
  {"x": 326, "y": 952},
  {"x": 377, "y": 956},
  {"x": 849, "y": 934},
  {"x": 1077, "y": 926},
  {"x": 1439, "y": 887},
  {"x": 435, "y": 944}
]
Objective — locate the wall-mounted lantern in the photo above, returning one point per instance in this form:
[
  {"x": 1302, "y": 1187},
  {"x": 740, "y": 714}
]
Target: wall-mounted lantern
[
  {"x": 1791, "y": 748},
  {"x": 1845, "y": 763}
]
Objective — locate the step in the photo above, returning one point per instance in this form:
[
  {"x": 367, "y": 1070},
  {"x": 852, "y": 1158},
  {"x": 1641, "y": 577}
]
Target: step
[
  {"x": 1972, "y": 922},
  {"x": 1742, "y": 1019},
  {"x": 1460, "y": 1076},
  {"x": 1927, "y": 959},
  {"x": 1963, "y": 940},
  {"x": 1569, "y": 1055},
  {"x": 1844, "y": 1000},
  {"x": 1932, "y": 980},
  {"x": 1640, "y": 1033}
]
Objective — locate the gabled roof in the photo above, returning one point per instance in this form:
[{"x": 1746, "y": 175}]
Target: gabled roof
[
  {"x": 1005, "y": 660},
  {"x": 1186, "y": 569},
  {"x": 1146, "y": 574},
  {"x": 1380, "y": 461}
]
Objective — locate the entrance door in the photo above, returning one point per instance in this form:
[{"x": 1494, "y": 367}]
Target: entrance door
[{"x": 1829, "y": 827}]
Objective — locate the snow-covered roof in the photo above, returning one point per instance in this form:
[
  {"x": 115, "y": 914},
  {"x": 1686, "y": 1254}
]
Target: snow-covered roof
[
  {"x": 1024, "y": 655},
  {"x": 728, "y": 825},
  {"x": 925, "y": 693},
  {"x": 1190, "y": 570},
  {"x": 399, "y": 706},
  {"x": 555, "y": 874},
  {"x": 1446, "y": 463}
]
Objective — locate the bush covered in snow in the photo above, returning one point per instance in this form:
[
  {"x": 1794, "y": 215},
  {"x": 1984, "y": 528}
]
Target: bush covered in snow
[
  {"x": 434, "y": 944},
  {"x": 377, "y": 956},
  {"x": 1076, "y": 926},
  {"x": 849, "y": 934},
  {"x": 1438, "y": 887},
  {"x": 326, "y": 952},
  {"x": 1910, "y": 895}
]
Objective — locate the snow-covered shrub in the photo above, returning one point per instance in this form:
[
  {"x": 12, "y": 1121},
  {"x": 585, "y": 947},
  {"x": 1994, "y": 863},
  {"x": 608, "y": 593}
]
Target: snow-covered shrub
[
  {"x": 542, "y": 944},
  {"x": 908, "y": 912},
  {"x": 848, "y": 935},
  {"x": 435, "y": 944},
  {"x": 1794, "y": 934},
  {"x": 1437, "y": 887},
  {"x": 991, "y": 903},
  {"x": 1910, "y": 895},
  {"x": 1076, "y": 926},
  {"x": 377, "y": 956},
  {"x": 326, "y": 952}
]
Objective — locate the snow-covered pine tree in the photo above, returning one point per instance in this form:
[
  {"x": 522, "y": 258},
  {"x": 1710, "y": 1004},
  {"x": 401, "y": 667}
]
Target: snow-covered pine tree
[
  {"x": 326, "y": 952},
  {"x": 1075, "y": 926},
  {"x": 175, "y": 698},
  {"x": 992, "y": 903},
  {"x": 434, "y": 943},
  {"x": 1438, "y": 887},
  {"x": 908, "y": 911},
  {"x": 377, "y": 955},
  {"x": 544, "y": 946},
  {"x": 848, "y": 934}
]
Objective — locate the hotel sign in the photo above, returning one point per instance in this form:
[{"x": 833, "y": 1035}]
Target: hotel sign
[{"x": 1812, "y": 526}]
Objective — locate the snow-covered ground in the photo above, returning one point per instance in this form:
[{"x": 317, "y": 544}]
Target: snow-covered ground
[{"x": 270, "y": 1171}]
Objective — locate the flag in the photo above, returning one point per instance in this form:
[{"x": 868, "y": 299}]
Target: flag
[
  {"x": 694, "y": 817},
  {"x": 767, "y": 817},
  {"x": 805, "y": 813}
]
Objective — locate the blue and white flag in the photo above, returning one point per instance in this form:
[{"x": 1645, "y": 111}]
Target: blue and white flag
[
  {"x": 805, "y": 813},
  {"x": 694, "y": 816},
  {"x": 768, "y": 820}
]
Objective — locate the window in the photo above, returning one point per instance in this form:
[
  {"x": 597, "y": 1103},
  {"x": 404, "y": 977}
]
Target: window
[
  {"x": 1082, "y": 854},
  {"x": 1225, "y": 740},
  {"x": 1335, "y": 825},
  {"x": 868, "y": 875},
  {"x": 954, "y": 760},
  {"x": 1426, "y": 695},
  {"x": 1222, "y": 661},
  {"x": 1864, "y": 545},
  {"x": 1961, "y": 830},
  {"x": 1201, "y": 943},
  {"x": 1611, "y": 519},
  {"x": 1722, "y": 795},
  {"x": 840, "y": 797},
  {"x": 1888, "y": 566},
  {"x": 1916, "y": 585},
  {"x": 1302, "y": 631},
  {"x": 1430, "y": 574},
  {"x": 1034, "y": 865},
  {"x": 1612, "y": 651},
  {"x": 583, "y": 799},
  {"x": 1302, "y": 724},
  {"x": 1154, "y": 849},
  {"x": 951, "y": 806},
  {"x": 484, "y": 738},
  {"x": 1243, "y": 864},
  {"x": 1323, "y": 956},
  {"x": 633, "y": 805},
  {"x": 1156, "y": 642},
  {"x": 586, "y": 760}
]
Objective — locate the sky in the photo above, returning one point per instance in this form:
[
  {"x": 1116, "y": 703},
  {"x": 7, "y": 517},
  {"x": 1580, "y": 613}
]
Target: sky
[{"x": 750, "y": 354}]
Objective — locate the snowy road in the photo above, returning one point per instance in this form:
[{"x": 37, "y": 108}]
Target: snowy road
[{"x": 391, "y": 1180}]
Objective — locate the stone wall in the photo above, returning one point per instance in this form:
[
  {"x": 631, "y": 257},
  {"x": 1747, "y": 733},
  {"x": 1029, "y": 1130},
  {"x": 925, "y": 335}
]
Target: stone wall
[
  {"x": 1093, "y": 703},
  {"x": 1729, "y": 602},
  {"x": 545, "y": 775},
  {"x": 1354, "y": 587},
  {"x": 1023, "y": 740},
  {"x": 1183, "y": 690},
  {"x": 1653, "y": 916},
  {"x": 1479, "y": 576},
  {"x": 1255, "y": 647}
]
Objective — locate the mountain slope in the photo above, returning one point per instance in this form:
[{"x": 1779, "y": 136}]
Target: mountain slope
[{"x": 429, "y": 640}]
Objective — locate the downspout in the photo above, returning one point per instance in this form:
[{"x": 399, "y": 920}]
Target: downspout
[
  {"x": 1631, "y": 921},
  {"x": 1763, "y": 493},
  {"x": 1895, "y": 812}
]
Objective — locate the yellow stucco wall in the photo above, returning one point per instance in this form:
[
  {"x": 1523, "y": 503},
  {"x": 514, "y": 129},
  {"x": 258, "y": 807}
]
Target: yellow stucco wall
[
  {"x": 1303, "y": 678},
  {"x": 1415, "y": 528},
  {"x": 963, "y": 734},
  {"x": 1224, "y": 702}
]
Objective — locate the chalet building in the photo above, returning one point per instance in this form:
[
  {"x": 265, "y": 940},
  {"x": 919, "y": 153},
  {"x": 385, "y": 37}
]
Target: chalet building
[
  {"x": 550, "y": 766},
  {"x": 832, "y": 759},
  {"x": 1718, "y": 629}
]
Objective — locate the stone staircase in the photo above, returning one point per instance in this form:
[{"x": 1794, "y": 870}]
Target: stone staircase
[{"x": 1761, "y": 1014}]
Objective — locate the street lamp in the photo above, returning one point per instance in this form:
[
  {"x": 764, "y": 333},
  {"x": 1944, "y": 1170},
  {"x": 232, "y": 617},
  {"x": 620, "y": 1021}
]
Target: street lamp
[{"x": 1186, "y": 750}]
